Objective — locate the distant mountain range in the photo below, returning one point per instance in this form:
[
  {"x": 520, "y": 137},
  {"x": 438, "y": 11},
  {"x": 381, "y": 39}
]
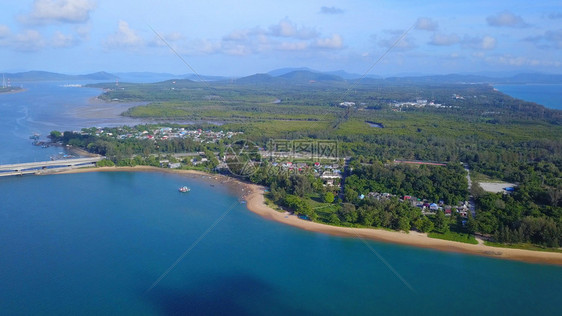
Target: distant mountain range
[
  {"x": 300, "y": 76},
  {"x": 53, "y": 76},
  {"x": 456, "y": 78},
  {"x": 290, "y": 76},
  {"x": 340, "y": 73}
]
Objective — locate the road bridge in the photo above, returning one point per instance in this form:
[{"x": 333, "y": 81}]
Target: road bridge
[{"x": 46, "y": 166}]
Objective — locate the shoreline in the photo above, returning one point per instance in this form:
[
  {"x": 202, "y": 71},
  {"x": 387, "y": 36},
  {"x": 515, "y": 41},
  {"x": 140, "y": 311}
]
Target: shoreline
[
  {"x": 253, "y": 194},
  {"x": 13, "y": 91}
]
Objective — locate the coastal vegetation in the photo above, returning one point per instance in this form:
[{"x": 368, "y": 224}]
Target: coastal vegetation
[
  {"x": 476, "y": 128},
  {"x": 459, "y": 237}
]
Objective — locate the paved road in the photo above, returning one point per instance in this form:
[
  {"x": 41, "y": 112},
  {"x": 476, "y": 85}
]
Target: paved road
[
  {"x": 471, "y": 204},
  {"x": 345, "y": 170}
]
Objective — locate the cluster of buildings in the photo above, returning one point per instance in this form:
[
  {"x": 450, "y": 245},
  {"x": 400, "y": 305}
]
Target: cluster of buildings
[
  {"x": 331, "y": 174},
  {"x": 202, "y": 159},
  {"x": 164, "y": 133},
  {"x": 457, "y": 97},
  {"x": 349, "y": 104},
  {"x": 426, "y": 207},
  {"x": 420, "y": 103}
]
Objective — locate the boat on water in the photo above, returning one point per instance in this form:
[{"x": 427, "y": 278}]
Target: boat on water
[{"x": 184, "y": 189}]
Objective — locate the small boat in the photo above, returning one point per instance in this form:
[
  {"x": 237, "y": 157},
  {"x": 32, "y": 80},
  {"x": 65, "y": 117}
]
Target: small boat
[{"x": 184, "y": 189}]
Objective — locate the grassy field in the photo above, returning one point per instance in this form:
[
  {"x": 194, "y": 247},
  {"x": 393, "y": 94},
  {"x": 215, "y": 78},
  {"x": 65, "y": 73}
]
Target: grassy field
[
  {"x": 525, "y": 246},
  {"x": 453, "y": 236},
  {"x": 478, "y": 177}
]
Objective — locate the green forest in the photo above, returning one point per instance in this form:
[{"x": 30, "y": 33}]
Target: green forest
[{"x": 478, "y": 127}]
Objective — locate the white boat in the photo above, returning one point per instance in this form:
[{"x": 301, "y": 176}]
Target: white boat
[{"x": 184, "y": 189}]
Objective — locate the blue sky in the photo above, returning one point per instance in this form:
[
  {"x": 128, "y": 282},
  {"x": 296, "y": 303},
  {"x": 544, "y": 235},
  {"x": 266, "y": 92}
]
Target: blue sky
[{"x": 238, "y": 38}]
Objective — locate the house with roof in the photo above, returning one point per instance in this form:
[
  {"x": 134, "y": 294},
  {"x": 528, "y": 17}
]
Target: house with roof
[{"x": 329, "y": 178}]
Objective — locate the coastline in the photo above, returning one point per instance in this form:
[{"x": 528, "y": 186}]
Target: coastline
[
  {"x": 13, "y": 91},
  {"x": 522, "y": 92},
  {"x": 253, "y": 194}
]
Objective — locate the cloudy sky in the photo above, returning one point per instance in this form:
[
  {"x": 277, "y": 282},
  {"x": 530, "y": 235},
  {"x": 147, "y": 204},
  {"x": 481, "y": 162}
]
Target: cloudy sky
[{"x": 244, "y": 37}]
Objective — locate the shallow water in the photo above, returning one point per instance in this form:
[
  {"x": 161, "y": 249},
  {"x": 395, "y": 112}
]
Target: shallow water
[{"x": 96, "y": 244}]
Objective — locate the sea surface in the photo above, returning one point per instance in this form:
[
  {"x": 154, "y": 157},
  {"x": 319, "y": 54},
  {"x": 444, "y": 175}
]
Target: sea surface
[
  {"x": 129, "y": 243},
  {"x": 549, "y": 95},
  {"x": 47, "y": 106}
]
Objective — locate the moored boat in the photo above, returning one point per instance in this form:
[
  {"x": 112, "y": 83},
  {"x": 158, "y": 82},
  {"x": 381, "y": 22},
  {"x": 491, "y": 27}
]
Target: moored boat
[{"x": 184, "y": 189}]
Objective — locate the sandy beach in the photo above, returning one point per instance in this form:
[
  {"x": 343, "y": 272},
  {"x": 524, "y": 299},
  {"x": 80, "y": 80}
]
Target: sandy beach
[{"x": 254, "y": 196}]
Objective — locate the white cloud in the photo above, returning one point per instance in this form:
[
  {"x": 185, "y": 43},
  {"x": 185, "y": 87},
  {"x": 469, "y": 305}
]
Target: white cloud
[
  {"x": 281, "y": 37},
  {"x": 444, "y": 39},
  {"x": 506, "y": 18},
  {"x": 550, "y": 39},
  {"x": 4, "y": 31},
  {"x": 168, "y": 37},
  {"x": 406, "y": 43},
  {"x": 62, "y": 40},
  {"x": 83, "y": 31},
  {"x": 426, "y": 24},
  {"x": 238, "y": 50},
  {"x": 520, "y": 61},
  {"x": 174, "y": 36},
  {"x": 28, "y": 41},
  {"x": 33, "y": 40},
  {"x": 238, "y": 35},
  {"x": 65, "y": 11},
  {"x": 286, "y": 28},
  {"x": 293, "y": 46},
  {"x": 333, "y": 42},
  {"x": 487, "y": 42},
  {"x": 124, "y": 37},
  {"x": 554, "y": 37},
  {"x": 478, "y": 54},
  {"x": 206, "y": 46},
  {"x": 331, "y": 10}
]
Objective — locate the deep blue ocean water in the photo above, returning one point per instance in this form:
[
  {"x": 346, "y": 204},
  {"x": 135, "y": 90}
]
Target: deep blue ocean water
[
  {"x": 95, "y": 243},
  {"x": 549, "y": 95}
]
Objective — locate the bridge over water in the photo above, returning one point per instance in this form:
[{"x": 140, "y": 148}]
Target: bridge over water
[{"x": 46, "y": 166}]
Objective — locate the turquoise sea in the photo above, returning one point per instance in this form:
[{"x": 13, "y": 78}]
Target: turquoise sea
[
  {"x": 96, "y": 243},
  {"x": 549, "y": 95}
]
